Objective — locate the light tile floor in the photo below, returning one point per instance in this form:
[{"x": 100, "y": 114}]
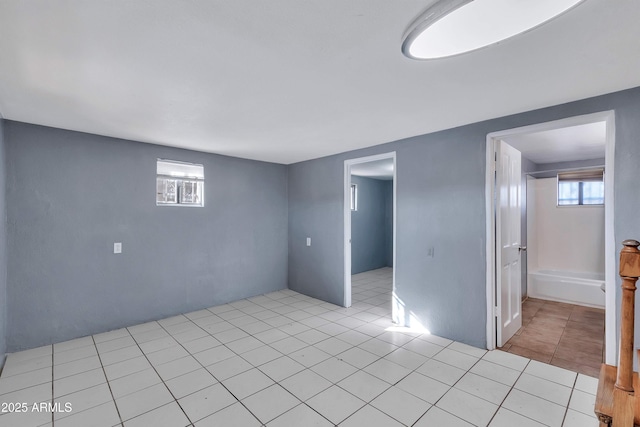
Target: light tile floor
[
  {"x": 373, "y": 287},
  {"x": 285, "y": 359}
]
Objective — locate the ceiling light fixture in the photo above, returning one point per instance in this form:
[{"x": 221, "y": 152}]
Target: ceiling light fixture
[{"x": 452, "y": 27}]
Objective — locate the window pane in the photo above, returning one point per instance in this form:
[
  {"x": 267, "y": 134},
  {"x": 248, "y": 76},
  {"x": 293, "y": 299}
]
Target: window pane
[
  {"x": 593, "y": 193},
  {"x": 568, "y": 193},
  {"x": 166, "y": 191},
  {"x": 191, "y": 193}
]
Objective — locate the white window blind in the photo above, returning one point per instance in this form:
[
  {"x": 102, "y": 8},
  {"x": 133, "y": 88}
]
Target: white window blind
[{"x": 581, "y": 188}]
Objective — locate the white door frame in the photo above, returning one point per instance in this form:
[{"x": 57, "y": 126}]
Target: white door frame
[
  {"x": 347, "y": 218},
  {"x": 610, "y": 244}
]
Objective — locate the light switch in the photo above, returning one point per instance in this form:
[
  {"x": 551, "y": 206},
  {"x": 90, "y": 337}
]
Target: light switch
[
  {"x": 117, "y": 248},
  {"x": 308, "y": 241}
]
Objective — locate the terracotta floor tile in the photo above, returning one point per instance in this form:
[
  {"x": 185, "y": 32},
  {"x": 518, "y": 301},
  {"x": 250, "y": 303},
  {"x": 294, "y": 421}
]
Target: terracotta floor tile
[
  {"x": 562, "y": 305},
  {"x": 593, "y": 310},
  {"x": 519, "y": 331},
  {"x": 532, "y": 309},
  {"x": 591, "y": 327},
  {"x": 578, "y": 356},
  {"x": 583, "y": 336},
  {"x": 534, "y": 344},
  {"x": 579, "y": 316},
  {"x": 581, "y": 345},
  {"x": 565, "y": 335},
  {"x": 554, "y": 312},
  {"x": 591, "y": 370},
  {"x": 525, "y": 323},
  {"x": 525, "y": 352},
  {"x": 591, "y": 330},
  {"x": 542, "y": 335},
  {"x": 587, "y": 315},
  {"x": 543, "y": 317},
  {"x": 549, "y": 322},
  {"x": 551, "y": 305},
  {"x": 586, "y": 323}
]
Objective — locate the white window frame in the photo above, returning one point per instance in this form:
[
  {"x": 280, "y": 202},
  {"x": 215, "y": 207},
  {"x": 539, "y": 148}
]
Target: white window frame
[
  {"x": 181, "y": 175},
  {"x": 579, "y": 177}
]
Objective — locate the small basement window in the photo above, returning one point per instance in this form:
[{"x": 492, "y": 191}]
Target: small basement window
[
  {"x": 581, "y": 188},
  {"x": 179, "y": 184},
  {"x": 354, "y": 197}
]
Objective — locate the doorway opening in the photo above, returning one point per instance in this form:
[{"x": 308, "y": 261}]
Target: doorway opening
[
  {"x": 528, "y": 219},
  {"x": 369, "y": 230}
]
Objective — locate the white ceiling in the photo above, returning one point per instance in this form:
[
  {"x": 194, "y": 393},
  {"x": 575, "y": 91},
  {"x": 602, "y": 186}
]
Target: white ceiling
[
  {"x": 288, "y": 80},
  {"x": 582, "y": 142},
  {"x": 378, "y": 169}
]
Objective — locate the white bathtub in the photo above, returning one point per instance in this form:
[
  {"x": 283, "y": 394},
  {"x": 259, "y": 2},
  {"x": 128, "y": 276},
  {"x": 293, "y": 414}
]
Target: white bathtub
[{"x": 567, "y": 286}]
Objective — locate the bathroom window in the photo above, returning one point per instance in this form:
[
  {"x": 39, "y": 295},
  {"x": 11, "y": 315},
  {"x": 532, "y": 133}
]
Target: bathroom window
[
  {"x": 581, "y": 188},
  {"x": 354, "y": 197},
  {"x": 179, "y": 184}
]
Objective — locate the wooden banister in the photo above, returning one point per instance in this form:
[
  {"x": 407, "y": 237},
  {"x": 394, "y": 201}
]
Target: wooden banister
[
  {"x": 616, "y": 403},
  {"x": 629, "y": 271}
]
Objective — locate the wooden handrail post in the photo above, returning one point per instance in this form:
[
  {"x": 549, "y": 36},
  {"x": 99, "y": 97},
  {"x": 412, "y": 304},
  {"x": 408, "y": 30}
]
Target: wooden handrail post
[{"x": 629, "y": 271}]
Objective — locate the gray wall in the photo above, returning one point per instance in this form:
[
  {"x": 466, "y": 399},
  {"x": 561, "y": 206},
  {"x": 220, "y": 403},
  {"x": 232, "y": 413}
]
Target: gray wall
[
  {"x": 71, "y": 195},
  {"x": 369, "y": 238},
  {"x": 441, "y": 204},
  {"x": 3, "y": 248}
]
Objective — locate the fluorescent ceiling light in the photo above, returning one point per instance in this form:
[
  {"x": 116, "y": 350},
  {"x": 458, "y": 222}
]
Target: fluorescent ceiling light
[{"x": 452, "y": 27}]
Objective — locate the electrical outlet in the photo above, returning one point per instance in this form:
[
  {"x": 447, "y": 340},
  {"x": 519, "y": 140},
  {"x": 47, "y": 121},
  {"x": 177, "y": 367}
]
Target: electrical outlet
[
  {"x": 117, "y": 248},
  {"x": 308, "y": 241}
]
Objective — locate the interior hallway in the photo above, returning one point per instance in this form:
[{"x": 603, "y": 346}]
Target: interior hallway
[
  {"x": 373, "y": 287},
  {"x": 565, "y": 335},
  {"x": 285, "y": 359}
]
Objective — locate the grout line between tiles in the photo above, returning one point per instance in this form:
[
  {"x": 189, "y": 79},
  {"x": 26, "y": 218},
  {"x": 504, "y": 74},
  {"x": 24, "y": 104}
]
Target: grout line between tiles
[
  {"x": 511, "y": 388},
  {"x": 205, "y": 368},
  {"x": 566, "y": 410},
  {"x": 159, "y": 376},
  {"x": 509, "y": 392},
  {"x": 108, "y": 382}
]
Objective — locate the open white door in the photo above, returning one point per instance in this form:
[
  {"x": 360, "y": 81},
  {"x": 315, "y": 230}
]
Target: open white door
[{"x": 508, "y": 243}]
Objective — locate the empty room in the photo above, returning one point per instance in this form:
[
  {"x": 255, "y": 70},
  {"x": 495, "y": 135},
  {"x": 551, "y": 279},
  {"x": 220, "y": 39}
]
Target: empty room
[{"x": 312, "y": 213}]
